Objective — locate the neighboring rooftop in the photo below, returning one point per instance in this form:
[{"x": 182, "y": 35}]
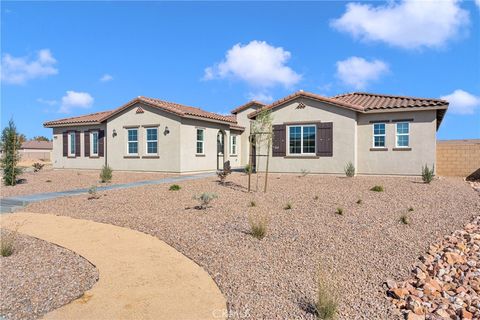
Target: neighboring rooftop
[
  {"x": 37, "y": 145},
  {"x": 247, "y": 105},
  {"x": 171, "y": 107}
]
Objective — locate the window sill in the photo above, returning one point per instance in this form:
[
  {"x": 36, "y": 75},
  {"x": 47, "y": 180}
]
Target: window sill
[
  {"x": 131, "y": 157},
  {"x": 151, "y": 157},
  {"x": 402, "y": 149},
  {"x": 378, "y": 149},
  {"x": 71, "y": 157},
  {"x": 301, "y": 157},
  {"x": 234, "y": 155},
  {"x": 94, "y": 157},
  {"x": 199, "y": 155}
]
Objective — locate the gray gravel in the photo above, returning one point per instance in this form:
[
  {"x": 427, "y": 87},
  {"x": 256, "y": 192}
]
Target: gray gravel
[
  {"x": 275, "y": 278},
  {"x": 39, "y": 277}
]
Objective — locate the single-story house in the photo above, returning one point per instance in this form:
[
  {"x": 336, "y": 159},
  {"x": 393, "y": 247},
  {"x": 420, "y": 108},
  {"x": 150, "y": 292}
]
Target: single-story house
[
  {"x": 378, "y": 134},
  {"x": 36, "y": 150}
]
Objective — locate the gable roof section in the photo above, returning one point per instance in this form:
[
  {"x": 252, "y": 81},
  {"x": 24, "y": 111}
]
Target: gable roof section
[
  {"x": 310, "y": 95},
  {"x": 373, "y": 101},
  {"x": 171, "y": 107},
  {"x": 92, "y": 118},
  {"x": 247, "y": 105}
]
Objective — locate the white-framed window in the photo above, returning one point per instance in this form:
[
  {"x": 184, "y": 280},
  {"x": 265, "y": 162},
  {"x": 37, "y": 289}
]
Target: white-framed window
[
  {"x": 152, "y": 140},
  {"x": 403, "y": 135},
  {"x": 233, "y": 144},
  {"x": 71, "y": 144},
  {"x": 94, "y": 143},
  {"x": 302, "y": 139},
  {"x": 379, "y": 135},
  {"x": 200, "y": 141},
  {"x": 132, "y": 141}
]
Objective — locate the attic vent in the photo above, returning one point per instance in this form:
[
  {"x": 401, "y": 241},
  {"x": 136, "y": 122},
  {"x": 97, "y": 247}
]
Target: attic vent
[
  {"x": 301, "y": 105},
  {"x": 140, "y": 110}
]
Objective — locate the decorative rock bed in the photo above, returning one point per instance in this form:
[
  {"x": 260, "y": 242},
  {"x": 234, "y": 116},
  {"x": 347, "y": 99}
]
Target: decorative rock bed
[{"x": 445, "y": 283}]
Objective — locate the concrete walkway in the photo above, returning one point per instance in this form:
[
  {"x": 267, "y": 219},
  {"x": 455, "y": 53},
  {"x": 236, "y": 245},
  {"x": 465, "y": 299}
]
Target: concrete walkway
[
  {"x": 13, "y": 204},
  {"x": 141, "y": 277}
]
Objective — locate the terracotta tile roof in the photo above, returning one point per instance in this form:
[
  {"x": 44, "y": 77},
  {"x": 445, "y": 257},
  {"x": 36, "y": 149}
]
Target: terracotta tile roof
[
  {"x": 247, "y": 105},
  {"x": 372, "y": 101},
  {"x": 37, "y": 145},
  {"x": 91, "y": 118},
  {"x": 314, "y": 96}
]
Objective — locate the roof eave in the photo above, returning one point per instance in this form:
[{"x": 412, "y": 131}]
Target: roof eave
[{"x": 70, "y": 124}]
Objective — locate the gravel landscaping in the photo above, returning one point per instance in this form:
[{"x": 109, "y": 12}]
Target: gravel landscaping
[
  {"x": 39, "y": 277},
  {"x": 276, "y": 277},
  {"x": 49, "y": 180}
]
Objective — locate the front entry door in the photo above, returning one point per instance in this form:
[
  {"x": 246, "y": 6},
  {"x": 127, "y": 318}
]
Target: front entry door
[{"x": 220, "y": 150}]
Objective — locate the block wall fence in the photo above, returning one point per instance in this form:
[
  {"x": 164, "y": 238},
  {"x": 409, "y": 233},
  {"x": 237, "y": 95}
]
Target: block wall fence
[{"x": 458, "y": 157}]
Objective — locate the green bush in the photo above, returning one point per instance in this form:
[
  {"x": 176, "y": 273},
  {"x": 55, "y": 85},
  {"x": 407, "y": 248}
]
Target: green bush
[
  {"x": 205, "y": 199},
  {"x": 93, "y": 194},
  {"x": 106, "y": 174},
  {"x": 258, "y": 227},
  {"x": 252, "y": 204},
  {"x": 377, "y": 188},
  {"x": 288, "y": 206},
  {"x": 339, "y": 211},
  {"x": 404, "y": 219},
  {"x": 10, "y": 143},
  {"x": 410, "y": 209},
  {"x": 174, "y": 187},
  {"x": 349, "y": 169},
  {"x": 248, "y": 168},
  {"x": 428, "y": 174},
  {"x": 326, "y": 305},
  {"x": 7, "y": 243}
]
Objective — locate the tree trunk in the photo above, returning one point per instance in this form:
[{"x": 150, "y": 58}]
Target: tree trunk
[{"x": 266, "y": 166}]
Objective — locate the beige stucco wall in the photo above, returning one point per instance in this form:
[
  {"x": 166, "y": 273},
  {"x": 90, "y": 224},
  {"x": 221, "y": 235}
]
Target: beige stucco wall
[
  {"x": 422, "y": 143},
  {"x": 61, "y": 162},
  {"x": 168, "y": 155},
  {"x": 244, "y": 121},
  {"x": 344, "y": 131}
]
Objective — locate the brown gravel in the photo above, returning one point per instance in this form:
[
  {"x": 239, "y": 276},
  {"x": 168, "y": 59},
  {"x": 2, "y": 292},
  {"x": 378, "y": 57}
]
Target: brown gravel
[
  {"x": 39, "y": 277},
  {"x": 275, "y": 278},
  {"x": 62, "y": 180}
]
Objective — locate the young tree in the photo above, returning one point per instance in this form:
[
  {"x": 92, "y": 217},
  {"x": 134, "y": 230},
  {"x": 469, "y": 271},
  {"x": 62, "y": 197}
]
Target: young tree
[
  {"x": 262, "y": 132},
  {"x": 10, "y": 143}
]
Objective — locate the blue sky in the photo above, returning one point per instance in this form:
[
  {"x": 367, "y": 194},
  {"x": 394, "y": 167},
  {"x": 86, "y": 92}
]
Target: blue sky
[{"x": 61, "y": 59}]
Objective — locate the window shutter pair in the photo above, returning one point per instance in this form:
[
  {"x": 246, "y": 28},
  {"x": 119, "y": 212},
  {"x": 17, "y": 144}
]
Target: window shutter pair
[
  {"x": 324, "y": 140},
  {"x": 101, "y": 143}
]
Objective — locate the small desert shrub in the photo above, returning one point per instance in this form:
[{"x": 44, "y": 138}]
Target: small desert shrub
[
  {"x": 404, "y": 219},
  {"x": 304, "y": 172},
  {"x": 377, "y": 188},
  {"x": 37, "y": 166},
  {"x": 7, "y": 243},
  {"x": 315, "y": 198},
  {"x": 93, "y": 194},
  {"x": 248, "y": 168},
  {"x": 428, "y": 174},
  {"x": 359, "y": 201},
  {"x": 326, "y": 304},
  {"x": 349, "y": 169},
  {"x": 252, "y": 204},
  {"x": 410, "y": 209},
  {"x": 106, "y": 174},
  {"x": 339, "y": 211},
  {"x": 205, "y": 199},
  {"x": 48, "y": 180},
  {"x": 223, "y": 174},
  {"x": 288, "y": 206},
  {"x": 258, "y": 227},
  {"x": 174, "y": 187}
]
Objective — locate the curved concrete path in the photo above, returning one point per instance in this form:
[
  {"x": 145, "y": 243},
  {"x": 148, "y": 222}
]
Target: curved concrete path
[{"x": 141, "y": 277}]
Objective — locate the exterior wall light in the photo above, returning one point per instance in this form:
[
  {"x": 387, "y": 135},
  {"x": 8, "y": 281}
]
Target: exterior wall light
[
  {"x": 114, "y": 133},
  {"x": 167, "y": 131}
]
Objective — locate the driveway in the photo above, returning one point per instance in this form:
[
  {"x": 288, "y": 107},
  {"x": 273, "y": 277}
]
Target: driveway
[{"x": 141, "y": 277}]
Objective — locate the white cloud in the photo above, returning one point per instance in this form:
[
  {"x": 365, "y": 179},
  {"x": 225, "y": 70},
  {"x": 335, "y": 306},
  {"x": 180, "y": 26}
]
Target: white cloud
[
  {"x": 408, "y": 24},
  {"x": 106, "y": 77},
  {"x": 74, "y": 100},
  {"x": 260, "y": 96},
  {"x": 358, "y": 72},
  {"x": 478, "y": 3},
  {"x": 47, "y": 102},
  {"x": 257, "y": 63},
  {"x": 462, "y": 102},
  {"x": 18, "y": 70}
]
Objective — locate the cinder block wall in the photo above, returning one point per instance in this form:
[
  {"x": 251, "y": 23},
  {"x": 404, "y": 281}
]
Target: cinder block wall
[{"x": 457, "y": 157}]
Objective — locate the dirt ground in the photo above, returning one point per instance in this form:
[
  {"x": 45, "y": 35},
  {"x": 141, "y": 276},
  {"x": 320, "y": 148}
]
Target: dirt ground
[{"x": 276, "y": 277}]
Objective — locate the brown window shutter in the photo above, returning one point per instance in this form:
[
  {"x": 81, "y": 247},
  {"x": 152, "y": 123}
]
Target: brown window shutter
[
  {"x": 77, "y": 144},
  {"x": 65, "y": 143},
  {"x": 101, "y": 143},
  {"x": 325, "y": 139},
  {"x": 279, "y": 141},
  {"x": 86, "y": 139}
]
